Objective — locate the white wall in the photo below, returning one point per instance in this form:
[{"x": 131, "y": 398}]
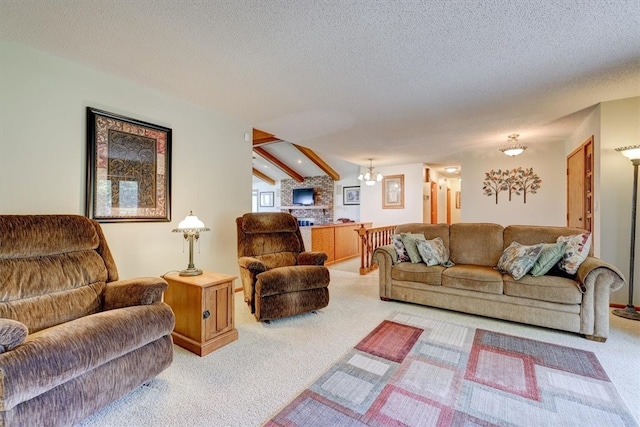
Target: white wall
[
  {"x": 547, "y": 207},
  {"x": 43, "y": 156},
  {"x": 371, "y": 198},
  {"x": 262, "y": 186},
  {"x": 340, "y": 210},
  {"x": 620, "y": 127}
]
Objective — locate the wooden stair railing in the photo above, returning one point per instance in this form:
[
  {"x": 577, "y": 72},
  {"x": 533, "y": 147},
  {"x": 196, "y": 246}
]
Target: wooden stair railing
[{"x": 370, "y": 239}]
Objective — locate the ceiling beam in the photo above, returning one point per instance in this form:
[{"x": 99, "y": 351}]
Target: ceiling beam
[
  {"x": 263, "y": 177},
  {"x": 273, "y": 159},
  {"x": 311, "y": 155},
  {"x": 261, "y": 138}
]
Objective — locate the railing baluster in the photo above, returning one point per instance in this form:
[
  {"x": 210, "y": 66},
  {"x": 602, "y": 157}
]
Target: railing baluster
[{"x": 370, "y": 239}]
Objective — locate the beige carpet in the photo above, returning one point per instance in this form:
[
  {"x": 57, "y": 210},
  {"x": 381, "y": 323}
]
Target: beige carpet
[{"x": 248, "y": 381}]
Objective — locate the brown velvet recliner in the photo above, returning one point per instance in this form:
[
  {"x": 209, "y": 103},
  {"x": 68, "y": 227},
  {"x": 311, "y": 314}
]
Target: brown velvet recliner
[
  {"x": 279, "y": 278},
  {"x": 73, "y": 338}
]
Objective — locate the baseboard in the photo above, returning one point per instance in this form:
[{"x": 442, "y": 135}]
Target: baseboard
[{"x": 611, "y": 305}]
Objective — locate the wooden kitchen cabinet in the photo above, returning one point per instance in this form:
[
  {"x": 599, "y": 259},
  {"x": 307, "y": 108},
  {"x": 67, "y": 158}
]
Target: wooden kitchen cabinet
[{"x": 204, "y": 310}]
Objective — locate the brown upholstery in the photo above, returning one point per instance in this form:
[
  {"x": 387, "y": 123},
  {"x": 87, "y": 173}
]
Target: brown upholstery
[
  {"x": 73, "y": 337},
  {"x": 279, "y": 278}
]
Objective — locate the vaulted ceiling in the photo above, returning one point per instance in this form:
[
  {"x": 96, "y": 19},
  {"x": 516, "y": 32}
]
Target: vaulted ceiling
[{"x": 398, "y": 81}]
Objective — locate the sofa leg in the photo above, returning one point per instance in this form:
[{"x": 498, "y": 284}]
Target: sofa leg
[
  {"x": 595, "y": 338},
  {"x": 385, "y": 299}
]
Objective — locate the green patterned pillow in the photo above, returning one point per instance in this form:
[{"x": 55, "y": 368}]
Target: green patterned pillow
[
  {"x": 410, "y": 240},
  {"x": 433, "y": 252},
  {"x": 518, "y": 259},
  {"x": 550, "y": 255}
]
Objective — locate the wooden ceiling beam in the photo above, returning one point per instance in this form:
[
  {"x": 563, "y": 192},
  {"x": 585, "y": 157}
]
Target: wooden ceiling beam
[
  {"x": 324, "y": 166},
  {"x": 261, "y": 138},
  {"x": 277, "y": 162},
  {"x": 263, "y": 177}
]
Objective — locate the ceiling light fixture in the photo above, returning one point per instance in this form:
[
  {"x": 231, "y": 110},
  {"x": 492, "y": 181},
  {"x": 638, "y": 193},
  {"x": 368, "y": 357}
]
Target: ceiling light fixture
[
  {"x": 370, "y": 177},
  {"x": 513, "y": 147},
  {"x": 451, "y": 169}
]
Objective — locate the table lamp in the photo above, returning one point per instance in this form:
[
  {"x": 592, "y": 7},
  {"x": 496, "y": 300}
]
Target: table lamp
[{"x": 191, "y": 227}]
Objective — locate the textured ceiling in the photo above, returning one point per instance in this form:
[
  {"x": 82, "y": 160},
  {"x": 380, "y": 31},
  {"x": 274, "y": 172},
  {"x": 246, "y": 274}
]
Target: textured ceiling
[{"x": 397, "y": 81}]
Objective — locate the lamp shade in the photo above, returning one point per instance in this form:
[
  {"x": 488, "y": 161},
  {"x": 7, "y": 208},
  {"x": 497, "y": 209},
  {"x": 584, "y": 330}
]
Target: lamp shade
[
  {"x": 631, "y": 152},
  {"x": 190, "y": 223}
]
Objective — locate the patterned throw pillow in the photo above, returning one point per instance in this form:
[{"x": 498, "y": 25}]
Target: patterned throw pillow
[
  {"x": 434, "y": 252},
  {"x": 550, "y": 255},
  {"x": 518, "y": 259},
  {"x": 396, "y": 240},
  {"x": 410, "y": 240},
  {"x": 575, "y": 253}
]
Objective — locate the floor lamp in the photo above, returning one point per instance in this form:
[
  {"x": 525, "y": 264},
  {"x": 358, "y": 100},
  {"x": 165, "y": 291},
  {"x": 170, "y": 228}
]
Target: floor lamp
[{"x": 632, "y": 153}]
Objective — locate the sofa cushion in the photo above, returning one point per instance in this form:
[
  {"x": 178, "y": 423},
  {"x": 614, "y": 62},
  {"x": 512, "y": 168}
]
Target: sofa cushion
[
  {"x": 420, "y": 273},
  {"x": 533, "y": 234},
  {"x": 434, "y": 252},
  {"x": 543, "y": 288},
  {"x": 401, "y": 250},
  {"x": 576, "y": 252},
  {"x": 518, "y": 259},
  {"x": 550, "y": 255},
  {"x": 429, "y": 231},
  {"x": 476, "y": 244},
  {"x": 473, "y": 278},
  {"x": 410, "y": 241}
]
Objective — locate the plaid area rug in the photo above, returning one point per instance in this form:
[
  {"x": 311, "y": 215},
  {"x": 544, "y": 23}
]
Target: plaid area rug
[{"x": 412, "y": 371}]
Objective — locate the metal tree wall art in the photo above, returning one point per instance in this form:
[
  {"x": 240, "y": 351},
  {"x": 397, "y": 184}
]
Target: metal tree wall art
[{"x": 518, "y": 181}]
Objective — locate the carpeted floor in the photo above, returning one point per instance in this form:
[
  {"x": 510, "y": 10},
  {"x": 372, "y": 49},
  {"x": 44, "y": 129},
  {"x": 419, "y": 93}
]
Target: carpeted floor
[
  {"x": 414, "y": 371},
  {"x": 250, "y": 380}
]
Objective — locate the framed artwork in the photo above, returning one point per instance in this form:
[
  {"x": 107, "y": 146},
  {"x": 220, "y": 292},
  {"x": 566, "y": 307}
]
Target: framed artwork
[
  {"x": 457, "y": 200},
  {"x": 266, "y": 199},
  {"x": 128, "y": 169},
  {"x": 393, "y": 192},
  {"x": 350, "y": 195}
]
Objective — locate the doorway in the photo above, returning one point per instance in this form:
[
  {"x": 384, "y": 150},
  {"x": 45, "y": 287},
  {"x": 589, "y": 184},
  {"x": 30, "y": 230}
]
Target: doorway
[{"x": 580, "y": 166}]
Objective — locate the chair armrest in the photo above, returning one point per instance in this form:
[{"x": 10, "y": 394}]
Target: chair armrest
[
  {"x": 131, "y": 292},
  {"x": 589, "y": 266},
  {"x": 12, "y": 334},
  {"x": 385, "y": 257},
  {"x": 252, "y": 264},
  {"x": 312, "y": 258}
]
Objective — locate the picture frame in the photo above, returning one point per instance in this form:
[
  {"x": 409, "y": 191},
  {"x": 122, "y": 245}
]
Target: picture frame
[
  {"x": 393, "y": 192},
  {"x": 458, "y": 200},
  {"x": 128, "y": 169},
  {"x": 267, "y": 199},
  {"x": 351, "y": 195}
]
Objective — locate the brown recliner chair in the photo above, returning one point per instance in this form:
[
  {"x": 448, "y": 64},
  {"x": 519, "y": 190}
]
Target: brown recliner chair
[{"x": 279, "y": 278}]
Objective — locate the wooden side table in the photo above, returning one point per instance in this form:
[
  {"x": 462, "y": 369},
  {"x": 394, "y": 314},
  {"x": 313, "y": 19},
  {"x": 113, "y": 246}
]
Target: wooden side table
[{"x": 203, "y": 306}]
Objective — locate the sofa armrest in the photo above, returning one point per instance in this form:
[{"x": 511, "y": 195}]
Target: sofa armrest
[
  {"x": 131, "y": 292},
  {"x": 12, "y": 334},
  {"x": 312, "y": 258},
  {"x": 590, "y": 266},
  {"x": 385, "y": 257}
]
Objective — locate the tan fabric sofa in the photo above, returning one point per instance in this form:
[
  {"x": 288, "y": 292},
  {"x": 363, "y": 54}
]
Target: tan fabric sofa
[
  {"x": 73, "y": 338},
  {"x": 474, "y": 286}
]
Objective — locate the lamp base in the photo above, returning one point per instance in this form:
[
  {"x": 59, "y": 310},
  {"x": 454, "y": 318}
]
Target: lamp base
[
  {"x": 191, "y": 272},
  {"x": 629, "y": 312}
]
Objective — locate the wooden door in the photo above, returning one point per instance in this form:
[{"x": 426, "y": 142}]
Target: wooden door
[
  {"x": 434, "y": 202},
  {"x": 580, "y": 186},
  {"x": 448, "y": 205}
]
